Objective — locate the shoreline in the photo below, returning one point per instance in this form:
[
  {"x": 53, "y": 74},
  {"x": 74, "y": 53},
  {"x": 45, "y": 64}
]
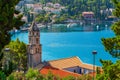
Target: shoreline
[{"x": 68, "y": 28}]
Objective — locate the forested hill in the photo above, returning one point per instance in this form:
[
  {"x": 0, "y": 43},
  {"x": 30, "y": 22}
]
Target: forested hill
[{"x": 75, "y": 7}]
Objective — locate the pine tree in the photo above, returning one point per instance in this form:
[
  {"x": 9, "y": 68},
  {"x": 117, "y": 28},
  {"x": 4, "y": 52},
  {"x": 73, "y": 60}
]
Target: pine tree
[
  {"x": 8, "y": 22},
  {"x": 111, "y": 71}
]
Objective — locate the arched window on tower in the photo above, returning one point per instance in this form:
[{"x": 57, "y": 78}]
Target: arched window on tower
[
  {"x": 37, "y": 40},
  {"x": 37, "y": 33},
  {"x": 29, "y": 33},
  {"x": 36, "y": 50},
  {"x": 33, "y": 33},
  {"x": 29, "y": 40},
  {"x": 32, "y": 51}
]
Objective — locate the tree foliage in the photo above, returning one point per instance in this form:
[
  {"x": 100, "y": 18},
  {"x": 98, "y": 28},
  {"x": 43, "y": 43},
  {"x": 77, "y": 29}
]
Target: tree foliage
[
  {"x": 19, "y": 54},
  {"x": 2, "y": 76},
  {"x": 15, "y": 58},
  {"x": 43, "y": 18},
  {"x": 8, "y": 22},
  {"x": 112, "y": 45},
  {"x": 111, "y": 71},
  {"x": 33, "y": 74},
  {"x": 76, "y": 7}
]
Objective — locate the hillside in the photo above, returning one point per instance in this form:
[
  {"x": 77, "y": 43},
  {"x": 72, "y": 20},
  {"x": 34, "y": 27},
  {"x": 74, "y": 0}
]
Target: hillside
[{"x": 76, "y": 7}]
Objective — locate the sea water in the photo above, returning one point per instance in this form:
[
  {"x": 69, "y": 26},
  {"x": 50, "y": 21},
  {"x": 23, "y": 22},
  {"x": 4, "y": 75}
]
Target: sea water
[{"x": 57, "y": 45}]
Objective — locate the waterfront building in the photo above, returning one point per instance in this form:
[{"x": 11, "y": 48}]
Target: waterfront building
[
  {"x": 57, "y": 5},
  {"x": 111, "y": 18},
  {"x": 29, "y": 6},
  {"x": 49, "y": 4},
  {"x": 88, "y": 17}
]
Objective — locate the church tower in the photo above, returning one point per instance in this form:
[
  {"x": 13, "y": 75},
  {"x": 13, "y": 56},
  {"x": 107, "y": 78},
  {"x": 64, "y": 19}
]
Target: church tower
[{"x": 34, "y": 46}]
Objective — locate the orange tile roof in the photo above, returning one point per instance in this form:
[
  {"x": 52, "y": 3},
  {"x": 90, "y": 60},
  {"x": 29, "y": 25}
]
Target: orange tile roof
[
  {"x": 61, "y": 73},
  {"x": 65, "y": 63},
  {"x": 69, "y": 62}
]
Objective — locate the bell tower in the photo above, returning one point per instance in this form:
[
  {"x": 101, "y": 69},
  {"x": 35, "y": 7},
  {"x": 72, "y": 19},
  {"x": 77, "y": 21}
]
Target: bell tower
[{"x": 34, "y": 46}]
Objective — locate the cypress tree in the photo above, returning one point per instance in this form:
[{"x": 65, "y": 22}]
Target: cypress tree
[{"x": 7, "y": 22}]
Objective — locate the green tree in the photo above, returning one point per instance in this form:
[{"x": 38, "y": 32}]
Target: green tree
[
  {"x": 17, "y": 57},
  {"x": 43, "y": 18},
  {"x": 69, "y": 78},
  {"x": 32, "y": 74},
  {"x": 50, "y": 76},
  {"x": 2, "y": 76},
  {"x": 85, "y": 77},
  {"x": 20, "y": 53},
  {"x": 112, "y": 46},
  {"x": 16, "y": 76},
  {"x": 8, "y": 22},
  {"x": 111, "y": 70}
]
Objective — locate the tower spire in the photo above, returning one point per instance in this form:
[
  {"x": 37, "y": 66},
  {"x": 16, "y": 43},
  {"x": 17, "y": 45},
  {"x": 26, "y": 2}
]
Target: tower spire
[
  {"x": 34, "y": 46},
  {"x": 33, "y": 26}
]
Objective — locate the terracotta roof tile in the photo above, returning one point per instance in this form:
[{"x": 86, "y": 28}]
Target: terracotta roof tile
[
  {"x": 61, "y": 73},
  {"x": 65, "y": 63},
  {"x": 69, "y": 62}
]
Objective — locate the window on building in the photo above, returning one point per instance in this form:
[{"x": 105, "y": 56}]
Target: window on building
[
  {"x": 30, "y": 33},
  {"x": 80, "y": 72},
  {"x": 37, "y": 33},
  {"x": 33, "y": 34},
  {"x": 74, "y": 71},
  {"x": 36, "y": 50},
  {"x": 29, "y": 40},
  {"x": 32, "y": 51},
  {"x": 37, "y": 40},
  {"x": 85, "y": 71}
]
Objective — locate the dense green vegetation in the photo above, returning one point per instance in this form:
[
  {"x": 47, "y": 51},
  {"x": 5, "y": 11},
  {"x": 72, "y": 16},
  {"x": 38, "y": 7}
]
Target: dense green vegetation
[
  {"x": 48, "y": 18},
  {"x": 7, "y": 23},
  {"x": 15, "y": 57},
  {"x": 43, "y": 18},
  {"x": 7, "y": 20},
  {"x": 111, "y": 70},
  {"x": 112, "y": 46},
  {"x": 76, "y": 7},
  {"x": 33, "y": 74}
]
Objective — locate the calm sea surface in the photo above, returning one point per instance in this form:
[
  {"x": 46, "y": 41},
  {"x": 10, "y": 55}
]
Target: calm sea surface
[{"x": 56, "y": 45}]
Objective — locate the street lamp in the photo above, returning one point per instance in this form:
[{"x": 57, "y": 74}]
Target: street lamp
[
  {"x": 94, "y": 53},
  {"x": 7, "y": 50}
]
